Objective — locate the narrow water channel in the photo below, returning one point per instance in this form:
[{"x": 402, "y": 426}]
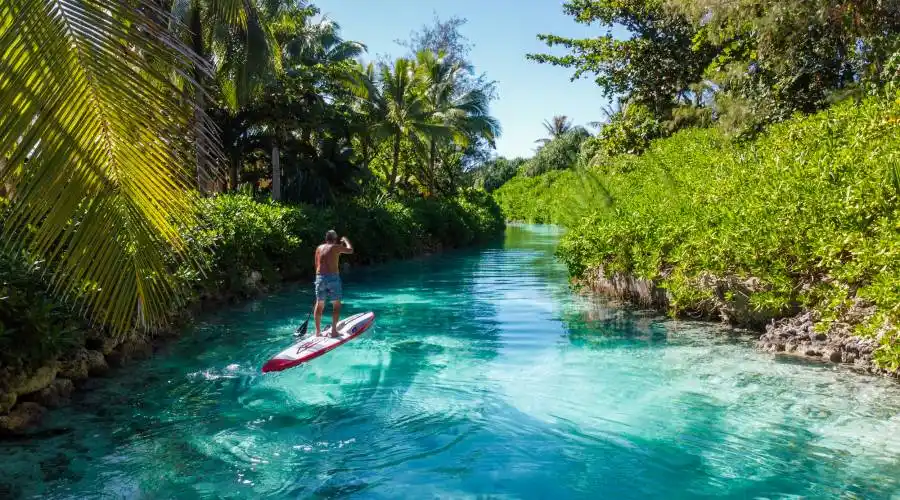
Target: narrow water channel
[{"x": 484, "y": 375}]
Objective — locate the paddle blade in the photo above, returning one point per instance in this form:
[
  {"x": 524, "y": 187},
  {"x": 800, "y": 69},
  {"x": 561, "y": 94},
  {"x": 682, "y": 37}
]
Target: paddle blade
[{"x": 301, "y": 330}]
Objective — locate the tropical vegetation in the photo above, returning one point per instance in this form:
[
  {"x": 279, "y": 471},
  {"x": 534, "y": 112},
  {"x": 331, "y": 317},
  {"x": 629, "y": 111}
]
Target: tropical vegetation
[
  {"x": 157, "y": 152},
  {"x": 752, "y": 142},
  {"x": 751, "y": 63}
]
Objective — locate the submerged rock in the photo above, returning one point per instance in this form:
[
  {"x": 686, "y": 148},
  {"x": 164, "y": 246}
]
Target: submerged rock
[
  {"x": 22, "y": 417},
  {"x": 135, "y": 349},
  {"x": 7, "y": 401},
  {"x": 835, "y": 356},
  {"x": 55, "y": 395},
  {"x": 798, "y": 335},
  {"x": 82, "y": 364},
  {"x": 96, "y": 363},
  {"x": 35, "y": 381}
]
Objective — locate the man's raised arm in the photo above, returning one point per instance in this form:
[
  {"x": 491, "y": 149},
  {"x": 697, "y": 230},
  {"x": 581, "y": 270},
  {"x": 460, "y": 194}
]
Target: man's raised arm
[{"x": 346, "y": 247}]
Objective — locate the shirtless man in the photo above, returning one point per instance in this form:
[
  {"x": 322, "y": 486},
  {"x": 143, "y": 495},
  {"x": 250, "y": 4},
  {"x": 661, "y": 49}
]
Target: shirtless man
[{"x": 328, "y": 278}]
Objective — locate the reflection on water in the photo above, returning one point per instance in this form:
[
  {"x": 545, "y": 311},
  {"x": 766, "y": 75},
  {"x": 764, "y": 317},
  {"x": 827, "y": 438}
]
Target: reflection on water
[{"x": 484, "y": 375}]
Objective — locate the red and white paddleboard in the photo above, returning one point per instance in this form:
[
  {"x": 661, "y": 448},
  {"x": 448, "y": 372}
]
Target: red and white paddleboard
[{"x": 312, "y": 347}]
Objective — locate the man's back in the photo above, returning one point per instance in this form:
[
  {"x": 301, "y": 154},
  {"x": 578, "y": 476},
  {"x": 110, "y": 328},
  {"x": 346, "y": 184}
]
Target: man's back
[{"x": 327, "y": 255}]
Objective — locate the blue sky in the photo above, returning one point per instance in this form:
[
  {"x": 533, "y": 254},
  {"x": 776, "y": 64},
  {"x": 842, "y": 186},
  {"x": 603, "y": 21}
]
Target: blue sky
[{"x": 501, "y": 32}]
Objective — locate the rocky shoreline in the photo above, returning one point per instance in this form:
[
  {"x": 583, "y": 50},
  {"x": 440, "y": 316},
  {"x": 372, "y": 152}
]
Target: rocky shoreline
[
  {"x": 26, "y": 397},
  {"x": 795, "y": 334},
  {"x": 798, "y": 336}
]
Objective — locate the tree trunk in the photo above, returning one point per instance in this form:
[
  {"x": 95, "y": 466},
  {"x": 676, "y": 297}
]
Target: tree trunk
[
  {"x": 276, "y": 173},
  {"x": 200, "y": 146},
  {"x": 5, "y": 186},
  {"x": 431, "y": 169},
  {"x": 306, "y": 137},
  {"x": 233, "y": 170},
  {"x": 365, "y": 151},
  {"x": 396, "y": 165}
]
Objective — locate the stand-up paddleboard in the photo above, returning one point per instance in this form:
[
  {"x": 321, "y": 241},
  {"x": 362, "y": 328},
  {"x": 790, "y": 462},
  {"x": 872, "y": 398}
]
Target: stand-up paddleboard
[{"x": 312, "y": 347}]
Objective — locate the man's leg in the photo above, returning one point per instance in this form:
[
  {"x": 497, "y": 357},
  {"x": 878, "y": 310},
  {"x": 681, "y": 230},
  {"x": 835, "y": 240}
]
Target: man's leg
[
  {"x": 320, "y": 308},
  {"x": 335, "y": 316},
  {"x": 335, "y": 293}
]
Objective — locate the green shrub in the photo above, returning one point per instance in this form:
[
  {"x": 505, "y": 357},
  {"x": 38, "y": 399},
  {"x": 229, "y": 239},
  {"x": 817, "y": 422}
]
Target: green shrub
[
  {"x": 628, "y": 132},
  {"x": 34, "y": 326},
  {"x": 559, "y": 154},
  {"x": 278, "y": 240},
  {"x": 558, "y": 197},
  {"x": 809, "y": 208},
  {"x": 495, "y": 173},
  {"x": 249, "y": 235}
]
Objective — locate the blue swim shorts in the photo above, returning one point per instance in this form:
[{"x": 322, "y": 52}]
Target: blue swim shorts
[{"x": 328, "y": 287}]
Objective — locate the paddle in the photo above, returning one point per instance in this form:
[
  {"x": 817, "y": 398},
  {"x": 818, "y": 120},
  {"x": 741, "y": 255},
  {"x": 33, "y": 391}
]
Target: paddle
[{"x": 301, "y": 330}]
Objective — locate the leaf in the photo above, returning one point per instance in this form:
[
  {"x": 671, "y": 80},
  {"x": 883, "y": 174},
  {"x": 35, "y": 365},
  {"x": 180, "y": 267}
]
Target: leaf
[{"x": 99, "y": 144}]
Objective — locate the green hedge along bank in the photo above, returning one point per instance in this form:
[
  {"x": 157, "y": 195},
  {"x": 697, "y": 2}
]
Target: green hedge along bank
[{"x": 794, "y": 233}]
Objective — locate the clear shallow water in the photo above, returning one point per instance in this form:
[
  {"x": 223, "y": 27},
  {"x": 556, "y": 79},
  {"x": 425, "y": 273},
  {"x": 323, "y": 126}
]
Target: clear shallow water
[{"x": 484, "y": 375}]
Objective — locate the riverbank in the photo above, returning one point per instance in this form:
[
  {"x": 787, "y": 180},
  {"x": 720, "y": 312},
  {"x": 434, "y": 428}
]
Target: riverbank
[
  {"x": 797, "y": 336},
  {"x": 252, "y": 247},
  {"x": 793, "y": 234}
]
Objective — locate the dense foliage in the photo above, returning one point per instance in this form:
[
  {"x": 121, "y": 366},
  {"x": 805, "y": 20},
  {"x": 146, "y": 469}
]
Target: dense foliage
[
  {"x": 34, "y": 325},
  {"x": 254, "y": 243},
  {"x": 810, "y": 209},
  {"x": 494, "y": 173},
  {"x": 120, "y": 118},
  {"x": 657, "y": 63},
  {"x": 776, "y": 57},
  {"x": 746, "y": 64},
  {"x": 559, "y": 154},
  {"x": 278, "y": 240}
]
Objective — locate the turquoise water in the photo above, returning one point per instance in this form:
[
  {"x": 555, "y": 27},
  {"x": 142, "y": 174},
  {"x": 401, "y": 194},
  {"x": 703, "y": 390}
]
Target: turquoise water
[{"x": 484, "y": 376}]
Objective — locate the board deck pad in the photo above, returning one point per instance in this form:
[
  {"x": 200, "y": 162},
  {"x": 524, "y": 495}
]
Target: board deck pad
[{"x": 313, "y": 346}]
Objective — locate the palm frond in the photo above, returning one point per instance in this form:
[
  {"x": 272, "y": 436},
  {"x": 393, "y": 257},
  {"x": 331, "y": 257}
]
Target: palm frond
[
  {"x": 98, "y": 142},
  {"x": 344, "y": 51},
  {"x": 231, "y": 12}
]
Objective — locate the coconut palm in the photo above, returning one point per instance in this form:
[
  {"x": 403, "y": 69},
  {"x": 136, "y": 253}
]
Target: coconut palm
[
  {"x": 556, "y": 127},
  {"x": 399, "y": 104},
  {"x": 293, "y": 100},
  {"x": 235, "y": 38},
  {"x": 459, "y": 115},
  {"x": 365, "y": 109},
  {"x": 95, "y": 137},
  {"x": 316, "y": 61}
]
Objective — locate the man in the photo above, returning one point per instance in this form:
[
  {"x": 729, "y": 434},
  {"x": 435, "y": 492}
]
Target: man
[{"x": 328, "y": 278}]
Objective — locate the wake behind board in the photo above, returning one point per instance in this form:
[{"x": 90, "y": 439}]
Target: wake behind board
[{"x": 312, "y": 347}]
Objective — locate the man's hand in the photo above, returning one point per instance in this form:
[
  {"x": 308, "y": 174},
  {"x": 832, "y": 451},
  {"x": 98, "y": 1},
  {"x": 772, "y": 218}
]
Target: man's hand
[{"x": 348, "y": 247}]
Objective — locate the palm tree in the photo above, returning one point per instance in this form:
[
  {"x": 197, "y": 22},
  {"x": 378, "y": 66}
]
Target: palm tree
[
  {"x": 399, "y": 103},
  {"x": 235, "y": 39},
  {"x": 315, "y": 59},
  {"x": 458, "y": 115},
  {"x": 556, "y": 127},
  {"x": 95, "y": 135},
  {"x": 366, "y": 109}
]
